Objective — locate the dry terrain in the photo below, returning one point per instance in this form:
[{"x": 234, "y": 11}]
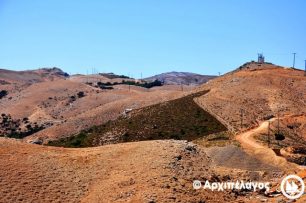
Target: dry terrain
[
  {"x": 258, "y": 92},
  {"x": 154, "y": 171},
  {"x": 180, "y": 119},
  {"x": 257, "y": 103},
  {"x": 65, "y": 106}
]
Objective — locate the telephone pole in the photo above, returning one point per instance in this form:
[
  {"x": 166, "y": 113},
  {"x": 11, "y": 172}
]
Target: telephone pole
[
  {"x": 293, "y": 60},
  {"x": 241, "y": 118},
  {"x": 269, "y": 134},
  {"x": 278, "y": 132},
  {"x": 86, "y": 75},
  {"x": 305, "y": 69}
]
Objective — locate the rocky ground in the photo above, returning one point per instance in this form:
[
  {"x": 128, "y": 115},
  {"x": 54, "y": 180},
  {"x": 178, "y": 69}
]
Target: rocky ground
[{"x": 150, "y": 171}]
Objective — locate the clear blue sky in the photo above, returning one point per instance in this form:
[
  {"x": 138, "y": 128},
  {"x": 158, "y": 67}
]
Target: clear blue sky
[{"x": 150, "y": 36}]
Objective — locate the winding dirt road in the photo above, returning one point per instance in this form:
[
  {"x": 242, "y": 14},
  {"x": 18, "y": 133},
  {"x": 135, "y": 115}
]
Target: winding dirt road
[{"x": 263, "y": 152}]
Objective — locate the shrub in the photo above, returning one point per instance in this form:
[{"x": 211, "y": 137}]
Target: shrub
[
  {"x": 81, "y": 94},
  {"x": 279, "y": 136},
  {"x": 3, "y": 93}
]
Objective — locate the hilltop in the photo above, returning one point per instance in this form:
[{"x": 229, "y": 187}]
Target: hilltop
[
  {"x": 31, "y": 76},
  {"x": 257, "y": 92}
]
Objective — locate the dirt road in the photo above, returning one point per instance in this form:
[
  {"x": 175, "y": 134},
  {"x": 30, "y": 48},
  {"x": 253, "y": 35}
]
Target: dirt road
[{"x": 263, "y": 152}]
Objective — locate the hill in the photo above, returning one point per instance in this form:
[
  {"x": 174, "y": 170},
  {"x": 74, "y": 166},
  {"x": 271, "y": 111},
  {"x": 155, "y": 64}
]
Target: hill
[
  {"x": 146, "y": 171},
  {"x": 154, "y": 171},
  {"x": 254, "y": 93},
  {"x": 51, "y": 109},
  {"x": 31, "y": 76},
  {"x": 181, "y": 78},
  {"x": 180, "y": 119}
]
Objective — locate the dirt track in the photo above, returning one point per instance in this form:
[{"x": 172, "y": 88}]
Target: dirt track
[
  {"x": 263, "y": 152},
  {"x": 259, "y": 91}
]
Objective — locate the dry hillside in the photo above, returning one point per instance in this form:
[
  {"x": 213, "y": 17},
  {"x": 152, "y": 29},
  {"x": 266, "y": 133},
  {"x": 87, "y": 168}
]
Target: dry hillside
[
  {"x": 150, "y": 171},
  {"x": 260, "y": 91},
  {"x": 51, "y": 109},
  {"x": 154, "y": 171}
]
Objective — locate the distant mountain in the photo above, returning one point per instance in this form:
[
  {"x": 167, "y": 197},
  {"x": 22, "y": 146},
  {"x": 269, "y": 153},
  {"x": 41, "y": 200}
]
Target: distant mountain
[
  {"x": 177, "y": 78},
  {"x": 31, "y": 76}
]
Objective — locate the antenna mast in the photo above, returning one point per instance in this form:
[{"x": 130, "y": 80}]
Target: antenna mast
[{"x": 293, "y": 60}]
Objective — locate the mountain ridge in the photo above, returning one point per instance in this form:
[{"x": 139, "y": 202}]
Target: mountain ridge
[{"x": 181, "y": 78}]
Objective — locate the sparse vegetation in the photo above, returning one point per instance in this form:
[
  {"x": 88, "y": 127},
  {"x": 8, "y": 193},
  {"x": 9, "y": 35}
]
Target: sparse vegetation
[
  {"x": 145, "y": 84},
  {"x": 113, "y": 76},
  {"x": 104, "y": 86},
  {"x": 3, "y": 82},
  {"x": 109, "y": 85},
  {"x": 219, "y": 139},
  {"x": 180, "y": 119},
  {"x": 17, "y": 128}
]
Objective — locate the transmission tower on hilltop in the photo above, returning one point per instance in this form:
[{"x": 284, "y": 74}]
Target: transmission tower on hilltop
[
  {"x": 261, "y": 58},
  {"x": 293, "y": 60}
]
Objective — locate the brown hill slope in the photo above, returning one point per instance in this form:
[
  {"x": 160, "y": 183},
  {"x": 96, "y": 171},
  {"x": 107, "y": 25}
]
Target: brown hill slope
[
  {"x": 180, "y": 119},
  {"x": 155, "y": 171},
  {"x": 32, "y": 76},
  {"x": 58, "y": 106},
  {"x": 260, "y": 91}
]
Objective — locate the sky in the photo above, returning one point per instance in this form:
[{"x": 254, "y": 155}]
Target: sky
[{"x": 150, "y": 36}]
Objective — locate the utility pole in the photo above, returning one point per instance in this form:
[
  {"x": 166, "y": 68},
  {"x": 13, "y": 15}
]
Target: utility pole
[
  {"x": 305, "y": 69},
  {"x": 87, "y": 75},
  {"x": 241, "y": 118},
  {"x": 278, "y": 122},
  {"x": 294, "y": 59},
  {"x": 269, "y": 134}
]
